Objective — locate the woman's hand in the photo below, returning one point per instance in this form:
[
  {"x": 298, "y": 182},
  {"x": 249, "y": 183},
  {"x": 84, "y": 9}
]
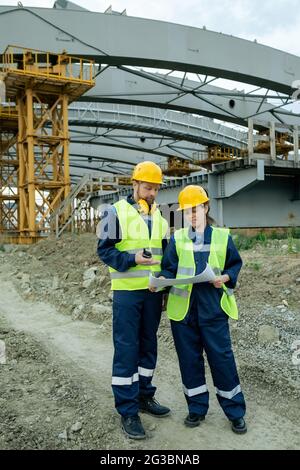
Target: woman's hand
[
  {"x": 153, "y": 289},
  {"x": 220, "y": 280}
]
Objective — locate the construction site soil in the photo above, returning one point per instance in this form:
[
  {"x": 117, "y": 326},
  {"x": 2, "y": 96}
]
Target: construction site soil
[{"x": 55, "y": 323}]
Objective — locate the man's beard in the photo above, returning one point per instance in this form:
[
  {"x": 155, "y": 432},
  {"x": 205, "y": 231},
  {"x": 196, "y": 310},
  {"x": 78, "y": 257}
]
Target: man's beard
[{"x": 150, "y": 201}]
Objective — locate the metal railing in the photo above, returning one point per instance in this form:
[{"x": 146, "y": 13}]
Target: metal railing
[{"x": 25, "y": 61}]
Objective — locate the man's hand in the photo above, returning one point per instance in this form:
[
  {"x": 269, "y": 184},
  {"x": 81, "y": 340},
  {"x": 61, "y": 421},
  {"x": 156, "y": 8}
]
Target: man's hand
[
  {"x": 153, "y": 289},
  {"x": 140, "y": 259},
  {"x": 220, "y": 280}
]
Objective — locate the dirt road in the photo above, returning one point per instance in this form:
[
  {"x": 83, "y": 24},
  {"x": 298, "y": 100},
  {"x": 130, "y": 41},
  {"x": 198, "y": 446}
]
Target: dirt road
[{"x": 55, "y": 391}]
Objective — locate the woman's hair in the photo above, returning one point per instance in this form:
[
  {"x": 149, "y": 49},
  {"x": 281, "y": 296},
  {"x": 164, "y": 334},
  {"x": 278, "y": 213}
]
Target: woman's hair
[{"x": 209, "y": 219}]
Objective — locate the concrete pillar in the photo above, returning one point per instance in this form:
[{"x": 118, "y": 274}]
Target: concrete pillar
[
  {"x": 250, "y": 138},
  {"x": 272, "y": 141},
  {"x": 220, "y": 212},
  {"x": 296, "y": 144}
]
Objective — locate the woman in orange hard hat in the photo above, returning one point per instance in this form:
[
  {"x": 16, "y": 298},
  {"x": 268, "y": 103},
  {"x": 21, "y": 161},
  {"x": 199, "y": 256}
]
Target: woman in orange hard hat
[
  {"x": 131, "y": 242},
  {"x": 199, "y": 312}
]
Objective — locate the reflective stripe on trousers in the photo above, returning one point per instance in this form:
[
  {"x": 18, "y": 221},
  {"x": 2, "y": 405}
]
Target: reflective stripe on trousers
[
  {"x": 134, "y": 378},
  {"x": 230, "y": 394},
  {"x": 125, "y": 380},
  {"x": 191, "y": 392}
]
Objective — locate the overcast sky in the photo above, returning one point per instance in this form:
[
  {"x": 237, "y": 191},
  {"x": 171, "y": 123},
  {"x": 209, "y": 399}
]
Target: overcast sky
[{"x": 276, "y": 24}]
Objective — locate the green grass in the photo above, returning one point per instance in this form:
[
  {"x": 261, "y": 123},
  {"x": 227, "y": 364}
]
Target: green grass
[
  {"x": 254, "y": 266},
  {"x": 243, "y": 242},
  {"x": 1, "y": 248},
  {"x": 292, "y": 231},
  {"x": 293, "y": 245},
  {"x": 291, "y": 236}
]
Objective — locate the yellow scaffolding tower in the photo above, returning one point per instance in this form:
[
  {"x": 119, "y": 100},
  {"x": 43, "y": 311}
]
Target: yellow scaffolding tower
[
  {"x": 9, "y": 198},
  {"x": 42, "y": 84}
]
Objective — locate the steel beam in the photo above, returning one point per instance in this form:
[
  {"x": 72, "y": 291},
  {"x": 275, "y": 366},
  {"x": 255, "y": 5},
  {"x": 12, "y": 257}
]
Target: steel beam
[
  {"x": 112, "y": 39},
  {"x": 129, "y": 86},
  {"x": 181, "y": 126}
]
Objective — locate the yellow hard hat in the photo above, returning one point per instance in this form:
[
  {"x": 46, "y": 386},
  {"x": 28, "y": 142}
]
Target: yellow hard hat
[
  {"x": 148, "y": 172},
  {"x": 191, "y": 196}
]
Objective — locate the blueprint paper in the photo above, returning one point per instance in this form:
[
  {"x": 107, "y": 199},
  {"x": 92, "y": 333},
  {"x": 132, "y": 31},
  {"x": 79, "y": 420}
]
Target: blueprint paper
[{"x": 206, "y": 276}]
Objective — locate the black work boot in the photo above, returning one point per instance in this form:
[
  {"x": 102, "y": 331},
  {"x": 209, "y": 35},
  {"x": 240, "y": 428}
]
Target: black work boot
[
  {"x": 193, "y": 419},
  {"x": 239, "y": 426},
  {"x": 151, "y": 406},
  {"x": 133, "y": 427}
]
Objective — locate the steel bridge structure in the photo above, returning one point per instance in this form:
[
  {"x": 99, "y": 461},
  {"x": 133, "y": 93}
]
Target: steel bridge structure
[{"x": 224, "y": 109}]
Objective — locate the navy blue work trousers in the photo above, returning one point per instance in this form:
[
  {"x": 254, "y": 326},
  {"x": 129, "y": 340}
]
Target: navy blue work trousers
[{"x": 136, "y": 317}]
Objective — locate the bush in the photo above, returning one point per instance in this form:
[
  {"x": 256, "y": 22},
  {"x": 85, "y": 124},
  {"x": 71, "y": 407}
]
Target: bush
[
  {"x": 295, "y": 232},
  {"x": 242, "y": 242}
]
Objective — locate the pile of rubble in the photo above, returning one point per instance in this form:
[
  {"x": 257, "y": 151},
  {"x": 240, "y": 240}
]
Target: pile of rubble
[{"x": 65, "y": 272}]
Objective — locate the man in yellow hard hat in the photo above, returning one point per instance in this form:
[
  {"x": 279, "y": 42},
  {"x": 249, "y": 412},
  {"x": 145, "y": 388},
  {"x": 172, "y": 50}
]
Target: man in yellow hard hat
[{"x": 131, "y": 243}]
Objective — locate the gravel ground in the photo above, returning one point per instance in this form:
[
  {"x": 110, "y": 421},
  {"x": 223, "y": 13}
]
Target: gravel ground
[{"x": 55, "y": 386}]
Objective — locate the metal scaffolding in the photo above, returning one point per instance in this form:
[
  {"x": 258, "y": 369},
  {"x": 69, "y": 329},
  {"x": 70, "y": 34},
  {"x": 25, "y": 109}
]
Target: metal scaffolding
[
  {"x": 42, "y": 85},
  {"x": 9, "y": 198}
]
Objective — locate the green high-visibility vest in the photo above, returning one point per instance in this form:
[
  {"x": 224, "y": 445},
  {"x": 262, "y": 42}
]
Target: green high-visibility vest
[
  {"x": 135, "y": 237},
  {"x": 179, "y": 296}
]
